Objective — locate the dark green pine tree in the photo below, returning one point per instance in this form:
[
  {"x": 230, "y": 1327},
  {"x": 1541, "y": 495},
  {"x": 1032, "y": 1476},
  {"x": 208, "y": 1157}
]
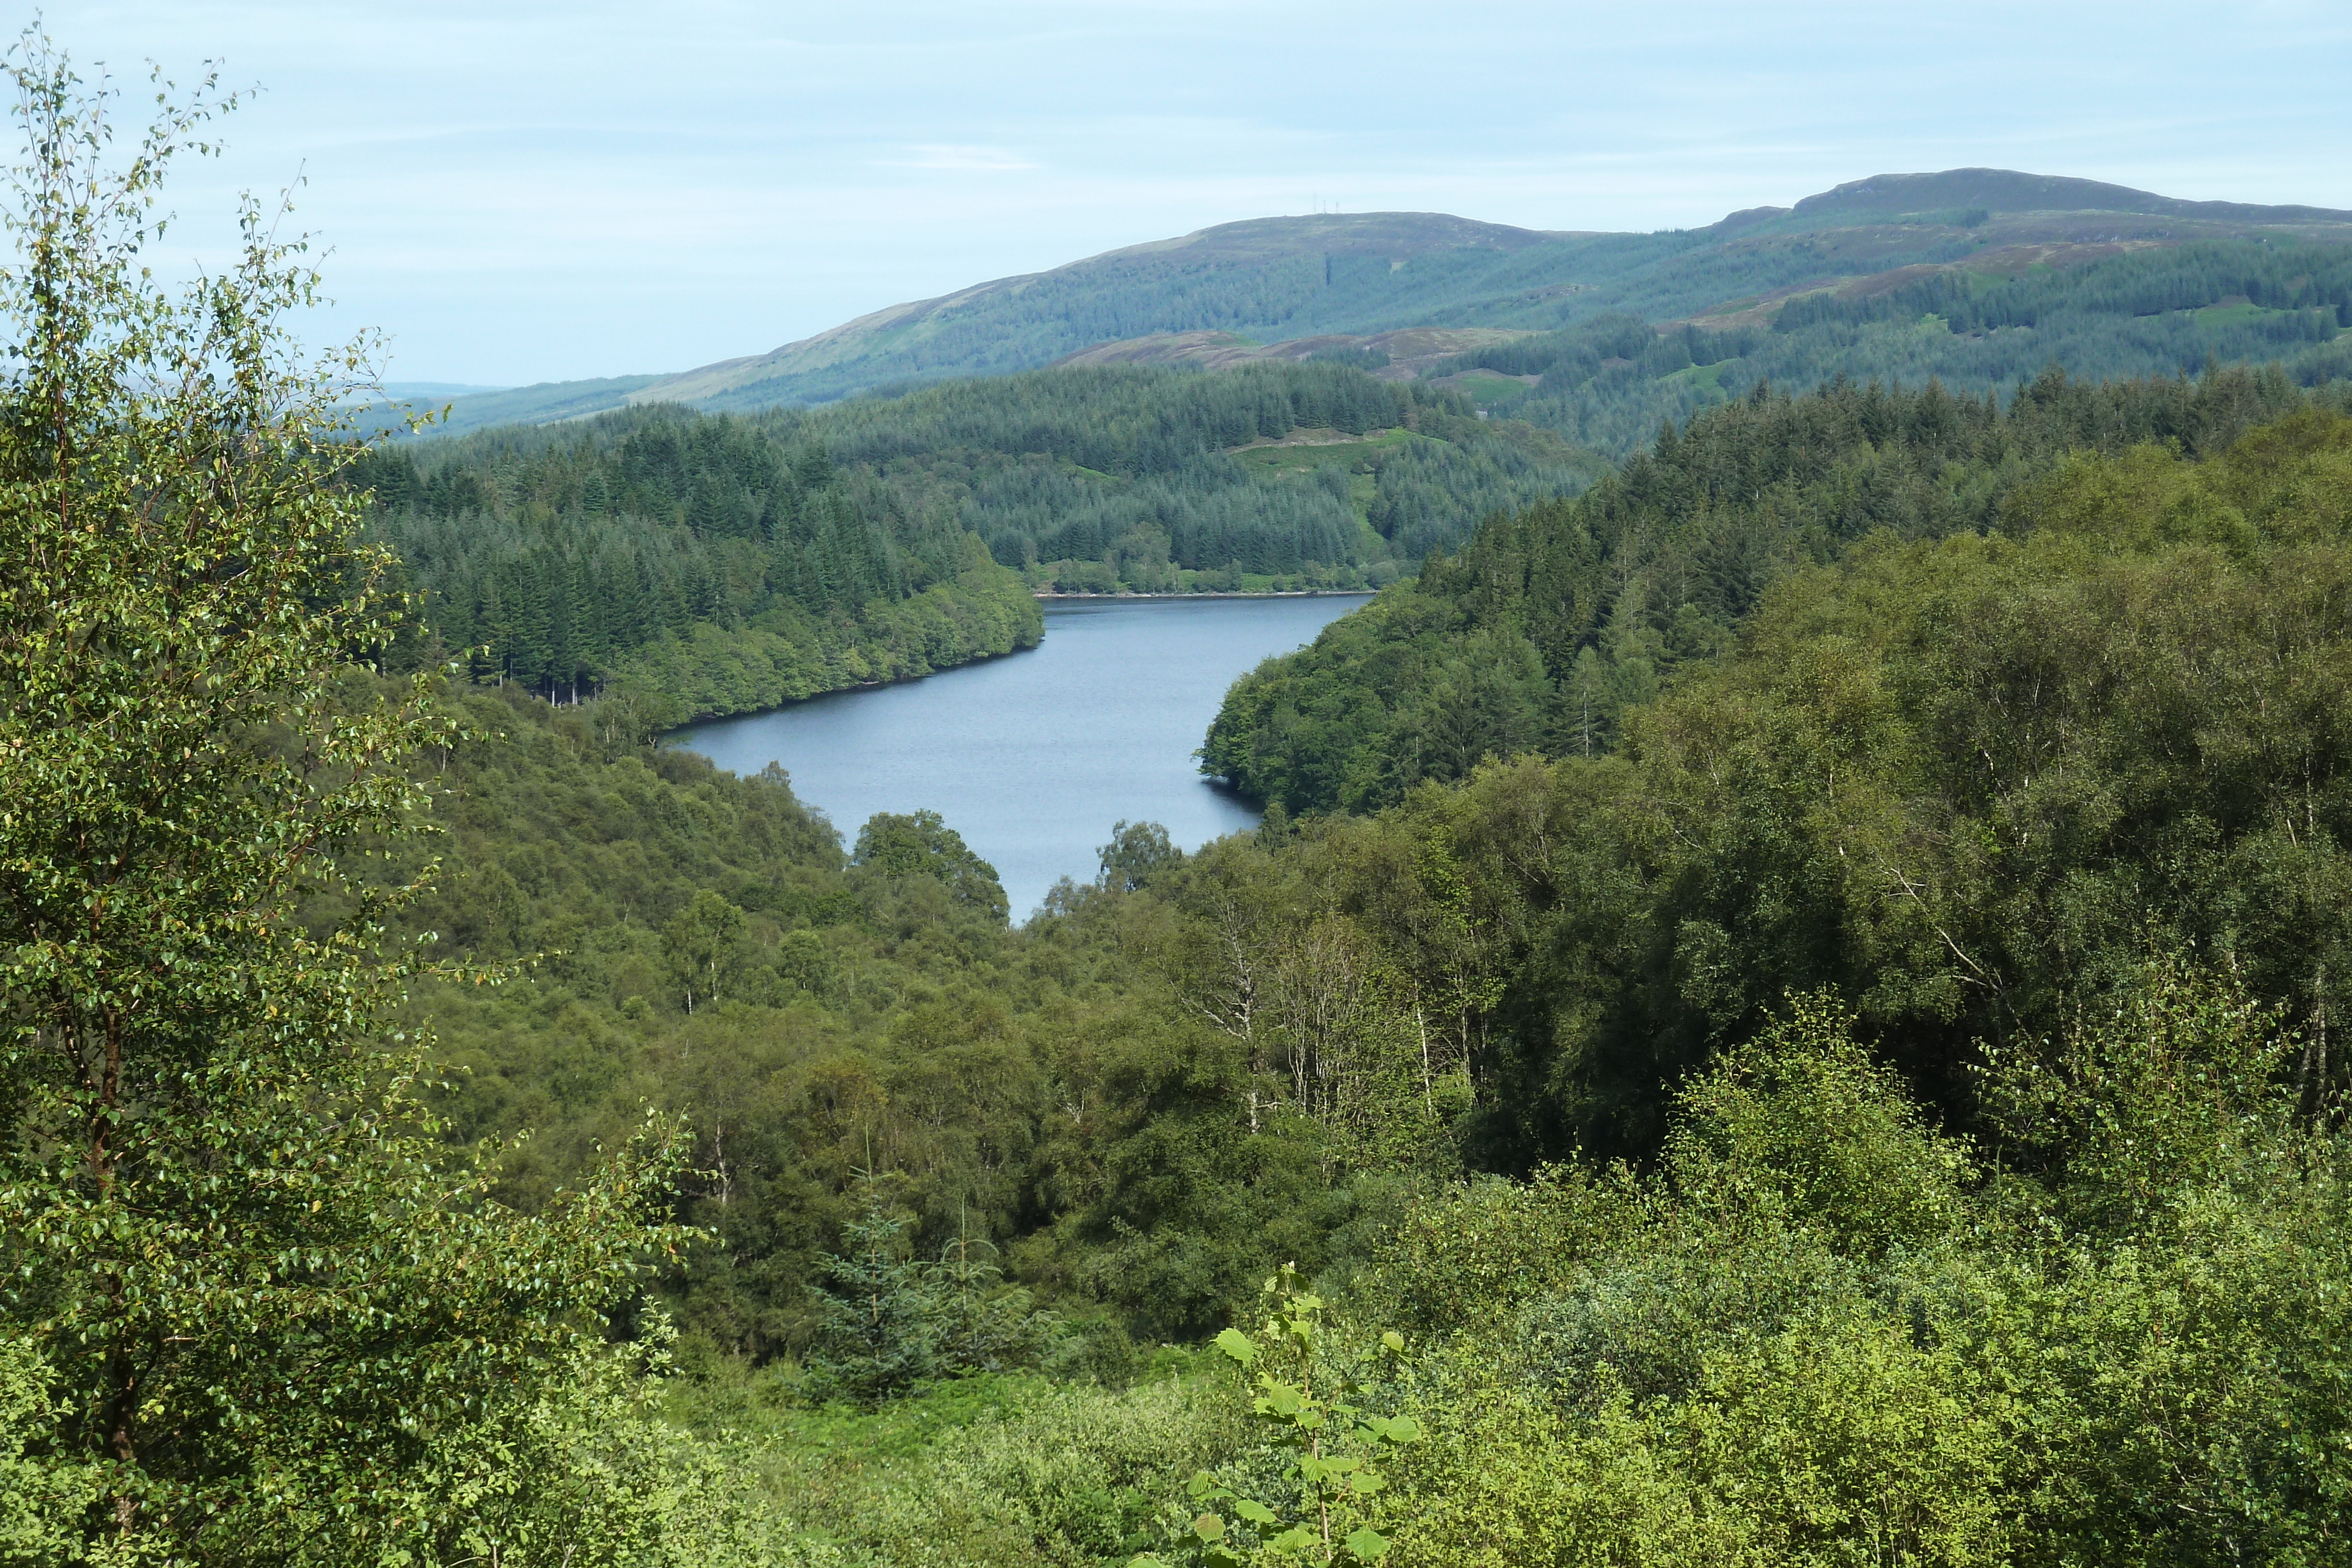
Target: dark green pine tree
[
  {"x": 702, "y": 596},
  {"x": 493, "y": 628},
  {"x": 669, "y": 597},
  {"x": 523, "y": 653},
  {"x": 562, "y": 660},
  {"x": 637, "y": 609},
  {"x": 706, "y": 510}
]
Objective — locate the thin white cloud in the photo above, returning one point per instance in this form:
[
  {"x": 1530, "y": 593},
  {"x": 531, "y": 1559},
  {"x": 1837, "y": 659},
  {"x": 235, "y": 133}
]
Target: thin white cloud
[{"x": 958, "y": 158}]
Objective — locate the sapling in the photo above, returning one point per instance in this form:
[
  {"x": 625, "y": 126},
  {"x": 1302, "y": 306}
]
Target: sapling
[{"x": 1326, "y": 1430}]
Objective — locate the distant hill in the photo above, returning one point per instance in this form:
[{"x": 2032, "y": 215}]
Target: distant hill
[
  {"x": 1293, "y": 275},
  {"x": 2007, "y": 191},
  {"x": 1267, "y": 287},
  {"x": 439, "y": 389},
  {"x": 544, "y": 404}
]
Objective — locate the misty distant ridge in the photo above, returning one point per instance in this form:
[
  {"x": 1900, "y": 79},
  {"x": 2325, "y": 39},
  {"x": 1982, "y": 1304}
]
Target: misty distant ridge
[{"x": 1230, "y": 291}]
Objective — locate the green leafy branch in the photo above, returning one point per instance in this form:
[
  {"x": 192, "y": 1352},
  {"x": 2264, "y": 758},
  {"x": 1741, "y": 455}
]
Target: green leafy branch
[{"x": 1328, "y": 1433}]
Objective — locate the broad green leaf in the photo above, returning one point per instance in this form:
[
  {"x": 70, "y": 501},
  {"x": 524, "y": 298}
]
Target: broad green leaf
[{"x": 1281, "y": 1399}]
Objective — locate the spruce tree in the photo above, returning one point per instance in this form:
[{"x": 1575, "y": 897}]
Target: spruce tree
[{"x": 879, "y": 1326}]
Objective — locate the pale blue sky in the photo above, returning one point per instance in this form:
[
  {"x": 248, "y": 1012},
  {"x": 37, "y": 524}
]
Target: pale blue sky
[{"x": 521, "y": 191}]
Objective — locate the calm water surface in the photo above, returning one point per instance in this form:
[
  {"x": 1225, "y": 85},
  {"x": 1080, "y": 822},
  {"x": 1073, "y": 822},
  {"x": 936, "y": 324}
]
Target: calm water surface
[{"x": 1033, "y": 756}]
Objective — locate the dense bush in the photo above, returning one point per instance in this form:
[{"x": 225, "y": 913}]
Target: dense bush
[{"x": 1823, "y": 1332}]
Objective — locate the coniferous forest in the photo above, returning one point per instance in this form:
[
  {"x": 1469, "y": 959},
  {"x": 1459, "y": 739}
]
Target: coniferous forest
[
  {"x": 691, "y": 566},
  {"x": 1785, "y": 1008},
  {"x": 1977, "y": 320}
]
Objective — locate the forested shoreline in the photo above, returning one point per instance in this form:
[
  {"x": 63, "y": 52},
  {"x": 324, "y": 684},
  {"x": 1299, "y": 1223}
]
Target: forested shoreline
[
  {"x": 718, "y": 564},
  {"x": 1551, "y": 624},
  {"x": 697, "y": 568}
]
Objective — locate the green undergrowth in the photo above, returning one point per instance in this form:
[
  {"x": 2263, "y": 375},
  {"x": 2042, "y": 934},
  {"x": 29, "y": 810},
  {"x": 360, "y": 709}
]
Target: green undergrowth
[{"x": 992, "y": 1468}]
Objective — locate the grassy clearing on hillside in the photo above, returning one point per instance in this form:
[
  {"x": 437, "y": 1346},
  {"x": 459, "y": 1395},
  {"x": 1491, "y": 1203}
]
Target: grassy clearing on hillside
[
  {"x": 1306, "y": 452},
  {"x": 1709, "y": 378},
  {"x": 2242, "y": 313},
  {"x": 2233, "y": 313},
  {"x": 1485, "y": 387}
]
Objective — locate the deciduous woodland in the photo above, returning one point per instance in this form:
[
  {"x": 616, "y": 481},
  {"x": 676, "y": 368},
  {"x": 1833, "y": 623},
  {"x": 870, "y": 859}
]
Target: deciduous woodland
[{"x": 1785, "y": 1011}]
